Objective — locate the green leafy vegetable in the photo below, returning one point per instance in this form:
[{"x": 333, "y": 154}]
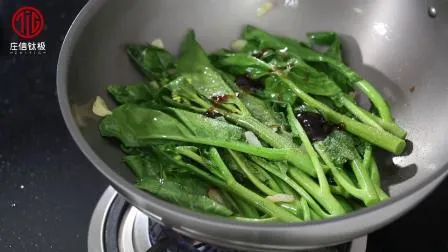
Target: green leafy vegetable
[
  {"x": 154, "y": 62},
  {"x": 151, "y": 165},
  {"x": 184, "y": 191},
  {"x": 137, "y": 126},
  {"x": 307, "y": 54},
  {"x": 330, "y": 42},
  {"x": 226, "y": 133},
  {"x": 377, "y": 136},
  {"x": 340, "y": 148},
  {"x": 135, "y": 93}
]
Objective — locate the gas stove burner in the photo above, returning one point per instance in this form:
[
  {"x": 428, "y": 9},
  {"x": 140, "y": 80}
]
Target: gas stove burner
[{"x": 116, "y": 226}]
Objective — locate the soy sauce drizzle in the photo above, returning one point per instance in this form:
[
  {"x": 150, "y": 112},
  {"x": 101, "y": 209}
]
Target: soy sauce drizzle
[{"x": 315, "y": 125}]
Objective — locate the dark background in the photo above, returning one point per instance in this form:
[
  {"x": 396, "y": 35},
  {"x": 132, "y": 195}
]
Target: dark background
[{"x": 48, "y": 189}]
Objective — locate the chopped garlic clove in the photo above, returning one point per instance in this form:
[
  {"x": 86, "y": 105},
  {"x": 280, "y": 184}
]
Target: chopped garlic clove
[
  {"x": 158, "y": 43},
  {"x": 281, "y": 198},
  {"x": 100, "y": 108},
  {"x": 154, "y": 84},
  {"x": 264, "y": 8},
  {"x": 239, "y": 44},
  {"x": 252, "y": 139}
]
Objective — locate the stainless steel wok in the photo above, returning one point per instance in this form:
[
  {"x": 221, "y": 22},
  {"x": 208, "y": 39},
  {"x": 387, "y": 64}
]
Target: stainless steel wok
[{"x": 396, "y": 44}]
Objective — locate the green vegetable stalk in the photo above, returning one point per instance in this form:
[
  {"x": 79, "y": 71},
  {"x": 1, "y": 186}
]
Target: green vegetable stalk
[
  {"x": 271, "y": 41},
  {"x": 339, "y": 148},
  {"x": 217, "y": 133},
  {"x": 241, "y": 63},
  {"x": 261, "y": 203},
  {"x": 204, "y": 81},
  {"x": 374, "y": 135},
  {"x": 327, "y": 197}
]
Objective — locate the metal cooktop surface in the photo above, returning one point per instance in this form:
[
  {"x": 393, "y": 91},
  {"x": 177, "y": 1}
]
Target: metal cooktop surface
[{"x": 116, "y": 226}]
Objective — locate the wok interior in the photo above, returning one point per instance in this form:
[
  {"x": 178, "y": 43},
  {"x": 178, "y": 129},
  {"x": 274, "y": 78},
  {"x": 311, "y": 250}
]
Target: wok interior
[{"x": 393, "y": 44}]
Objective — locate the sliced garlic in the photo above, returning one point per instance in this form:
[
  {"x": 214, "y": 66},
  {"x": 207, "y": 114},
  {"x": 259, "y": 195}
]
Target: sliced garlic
[
  {"x": 154, "y": 84},
  {"x": 252, "y": 139},
  {"x": 100, "y": 108},
  {"x": 239, "y": 44},
  {"x": 281, "y": 198},
  {"x": 158, "y": 43},
  {"x": 264, "y": 8}
]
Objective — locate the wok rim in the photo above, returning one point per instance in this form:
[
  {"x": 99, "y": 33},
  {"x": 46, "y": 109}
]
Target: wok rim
[{"x": 160, "y": 206}]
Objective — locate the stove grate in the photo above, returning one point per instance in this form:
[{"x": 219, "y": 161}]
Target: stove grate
[
  {"x": 167, "y": 240},
  {"x": 116, "y": 226}
]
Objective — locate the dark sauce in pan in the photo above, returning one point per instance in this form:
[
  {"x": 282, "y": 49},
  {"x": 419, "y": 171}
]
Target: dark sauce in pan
[{"x": 315, "y": 125}]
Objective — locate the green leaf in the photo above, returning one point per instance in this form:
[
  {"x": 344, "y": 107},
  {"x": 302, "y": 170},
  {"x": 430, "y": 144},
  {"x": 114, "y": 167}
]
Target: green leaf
[
  {"x": 336, "y": 71},
  {"x": 312, "y": 81},
  {"x": 251, "y": 47},
  {"x": 168, "y": 180},
  {"x": 329, "y": 43},
  {"x": 183, "y": 92},
  {"x": 334, "y": 75},
  {"x": 361, "y": 145},
  {"x": 152, "y": 164},
  {"x": 203, "y": 126},
  {"x": 143, "y": 166},
  {"x": 304, "y": 76},
  {"x": 188, "y": 192},
  {"x": 155, "y": 63},
  {"x": 275, "y": 90},
  {"x": 308, "y": 55},
  {"x": 295, "y": 48},
  {"x": 340, "y": 147},
  {"x": 192, "y": 57},
  {"x": 263, "y": 39},
  {"x": 138, "y": 126},
  {"x": 259, "y": 110},
  {"x": 135, "y": 93},
  {"x": 195, "y": 66},
  {"x": 241, "y": 64}
]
